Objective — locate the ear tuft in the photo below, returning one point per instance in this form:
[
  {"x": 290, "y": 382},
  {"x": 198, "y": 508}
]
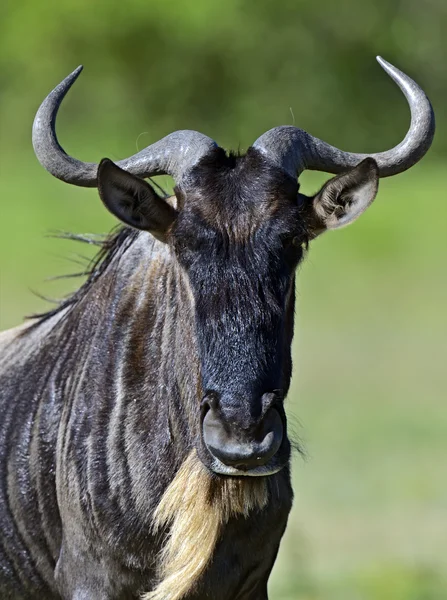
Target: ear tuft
[
  {"x": 133, "y": 200},
  {"x": 345, "y": 197}
]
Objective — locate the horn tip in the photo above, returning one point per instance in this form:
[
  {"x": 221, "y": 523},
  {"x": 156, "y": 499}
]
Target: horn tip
[
  {"x": 392, "y": 71},
  {"x": 77, "y": 71},
  {"x": 66, "y": 84},
  {"x": 70, "y": 79}
]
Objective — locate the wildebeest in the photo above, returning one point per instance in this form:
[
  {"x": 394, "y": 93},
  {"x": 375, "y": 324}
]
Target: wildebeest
[{"x": 143, "y": 445}]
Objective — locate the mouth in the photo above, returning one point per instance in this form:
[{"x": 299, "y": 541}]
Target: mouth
[
  {"x": 219, "y": 468},
  {"x": 237, "y": 451}
]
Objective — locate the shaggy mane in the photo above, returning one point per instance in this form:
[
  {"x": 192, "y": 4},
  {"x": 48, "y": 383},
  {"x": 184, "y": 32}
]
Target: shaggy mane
[
  {"x": 110, "y": 247},
  {"x": 195, "y": 507}
]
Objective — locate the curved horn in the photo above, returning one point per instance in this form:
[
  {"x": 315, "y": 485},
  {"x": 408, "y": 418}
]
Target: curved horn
[
  {"x": 173, "y": 155},
  {"x": 294, "y": 150}
]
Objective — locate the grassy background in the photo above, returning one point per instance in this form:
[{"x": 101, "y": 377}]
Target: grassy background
[
  {"x": 369, "y": 388},
  {"x": 370, "y": 518}
]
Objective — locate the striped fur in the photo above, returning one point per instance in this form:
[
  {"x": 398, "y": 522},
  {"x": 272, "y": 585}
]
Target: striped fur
[{"x": 106, "y": 488}]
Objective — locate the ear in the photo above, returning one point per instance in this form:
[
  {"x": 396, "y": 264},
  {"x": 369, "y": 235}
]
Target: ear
[
  {"x": 345, "y": 197},
  {"x": 133, "y": 201}
]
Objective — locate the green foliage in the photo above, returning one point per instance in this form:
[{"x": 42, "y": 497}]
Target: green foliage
[
  {"x": 232, "y": 69},
  {"x": 389, "y": 582}
]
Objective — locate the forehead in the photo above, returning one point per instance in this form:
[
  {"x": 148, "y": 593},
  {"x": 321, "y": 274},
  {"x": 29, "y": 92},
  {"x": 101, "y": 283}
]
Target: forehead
[{"x": 238, "y": 195}]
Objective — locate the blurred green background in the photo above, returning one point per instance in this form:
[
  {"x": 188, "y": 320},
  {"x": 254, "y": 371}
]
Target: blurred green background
[{"x": 369, "y": 389}]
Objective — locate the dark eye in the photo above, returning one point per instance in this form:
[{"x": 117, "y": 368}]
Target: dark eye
[
  {"x": 291, "y": 241},
  {"x": 293, "y": 246},
  {"x": 187, "y": 242}
]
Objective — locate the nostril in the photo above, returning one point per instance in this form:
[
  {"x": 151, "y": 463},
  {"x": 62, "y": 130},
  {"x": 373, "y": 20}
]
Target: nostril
[
  {"x": 269, "y": 400},
  {"x": 235, "y": 448},
  {"x": 210, "y": 401}
]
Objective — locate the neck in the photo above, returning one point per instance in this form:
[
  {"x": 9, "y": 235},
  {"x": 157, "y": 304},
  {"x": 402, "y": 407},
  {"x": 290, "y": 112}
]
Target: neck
[{"x": 134, "y": 395}]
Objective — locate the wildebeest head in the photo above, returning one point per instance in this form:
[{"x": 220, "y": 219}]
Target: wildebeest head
[{"x": 237, "y": 231}]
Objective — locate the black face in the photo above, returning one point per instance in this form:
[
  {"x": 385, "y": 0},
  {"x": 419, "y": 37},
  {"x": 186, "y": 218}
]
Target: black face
[
  {"x": 239, "y": 237},
  {"x": 238, "y": 233}
]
